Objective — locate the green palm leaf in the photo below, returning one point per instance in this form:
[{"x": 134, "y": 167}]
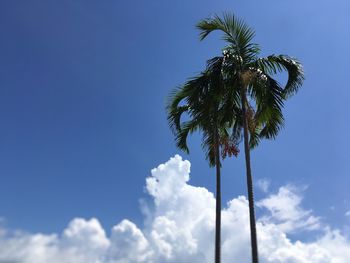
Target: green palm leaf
[{"x": 277, "y": 63}]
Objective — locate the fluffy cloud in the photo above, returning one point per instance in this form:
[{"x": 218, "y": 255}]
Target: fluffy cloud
[
  {"x": 286, "y": 212},
  {"x": 180, "y": 228}
]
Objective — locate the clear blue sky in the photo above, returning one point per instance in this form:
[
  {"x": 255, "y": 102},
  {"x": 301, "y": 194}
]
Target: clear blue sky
[{"x": 83, "y": 86}]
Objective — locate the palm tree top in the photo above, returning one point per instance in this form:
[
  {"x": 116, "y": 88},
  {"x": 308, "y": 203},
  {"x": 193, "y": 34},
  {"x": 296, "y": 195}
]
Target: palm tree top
[
  {"x": 243, "y": 66},
  {"x": 200, "y": 99},
  {"x": 239, "y": 37},
  {"x": 236, "y": 33}
]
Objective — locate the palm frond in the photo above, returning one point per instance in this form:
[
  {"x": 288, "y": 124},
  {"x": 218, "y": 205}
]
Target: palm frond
[
  {"x": 174, "y": 109},
  {"x": 269, "y": 117},
  {"x": 186, "y": 129},
  {"x": 236, "y": 32},
  {"x": 208, "y": 145},
  {"x": 278, "y": 63}
]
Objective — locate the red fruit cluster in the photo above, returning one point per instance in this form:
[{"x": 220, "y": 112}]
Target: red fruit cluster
[{"x": 228, "y": 148}]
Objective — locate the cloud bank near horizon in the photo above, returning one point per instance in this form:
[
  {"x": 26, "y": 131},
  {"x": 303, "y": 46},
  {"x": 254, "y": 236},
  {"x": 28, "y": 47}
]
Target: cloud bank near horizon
[{"x": 179, "y": 228}]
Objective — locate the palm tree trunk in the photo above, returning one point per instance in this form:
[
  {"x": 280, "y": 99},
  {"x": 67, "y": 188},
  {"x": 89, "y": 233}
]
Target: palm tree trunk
[
  {"x": 218, "y": 200},
  {"x": 253, "y": 238}
]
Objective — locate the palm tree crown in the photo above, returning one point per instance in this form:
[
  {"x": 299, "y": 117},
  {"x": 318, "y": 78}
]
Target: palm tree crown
[
  {"x": 242, "y": 67},
  {"x": 200, "y": 100}
]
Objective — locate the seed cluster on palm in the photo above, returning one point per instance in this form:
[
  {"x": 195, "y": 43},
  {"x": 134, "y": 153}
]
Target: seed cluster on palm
[{"x": 235, "y": 98}]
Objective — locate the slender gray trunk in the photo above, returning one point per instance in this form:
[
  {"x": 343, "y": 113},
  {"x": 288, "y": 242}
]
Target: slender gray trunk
[
  {"x": 253, "y": 236},
  {"x": 218, "y": 200}
]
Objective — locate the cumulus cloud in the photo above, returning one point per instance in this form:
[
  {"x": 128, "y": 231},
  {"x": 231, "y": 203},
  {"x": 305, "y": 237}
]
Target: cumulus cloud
[
  {"x": 180, "y": 229},
  {"x": 286, "y": 213}
]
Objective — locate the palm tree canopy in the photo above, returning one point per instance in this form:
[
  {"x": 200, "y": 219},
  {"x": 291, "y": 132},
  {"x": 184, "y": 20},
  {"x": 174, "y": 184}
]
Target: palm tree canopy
[
  {"x": 200, "y": 98},
  {"x": 242, "y": 66}
]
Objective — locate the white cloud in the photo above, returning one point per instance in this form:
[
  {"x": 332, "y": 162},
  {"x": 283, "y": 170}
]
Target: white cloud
[
  {"x": 263, "y": 184},
  {"x": 347, "y": 213},
  {"x": 128, "y": 244},
  {"x": 286, "y": 211},
  {"x": 180, "y": 228}
]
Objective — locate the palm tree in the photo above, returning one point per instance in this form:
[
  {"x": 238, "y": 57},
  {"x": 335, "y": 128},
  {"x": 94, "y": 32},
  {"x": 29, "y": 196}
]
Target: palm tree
[
  {"x": 200, "y": 100},
  {"x": 261, "y": 97}
]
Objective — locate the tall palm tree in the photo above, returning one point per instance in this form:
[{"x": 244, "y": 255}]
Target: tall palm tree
[
  {"x": 200, "y": 100},
  {"x": 261, "y": 97}
]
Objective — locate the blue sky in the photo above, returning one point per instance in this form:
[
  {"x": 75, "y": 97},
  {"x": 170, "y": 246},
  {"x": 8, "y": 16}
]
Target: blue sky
[{"x": 83, "y": 86}]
